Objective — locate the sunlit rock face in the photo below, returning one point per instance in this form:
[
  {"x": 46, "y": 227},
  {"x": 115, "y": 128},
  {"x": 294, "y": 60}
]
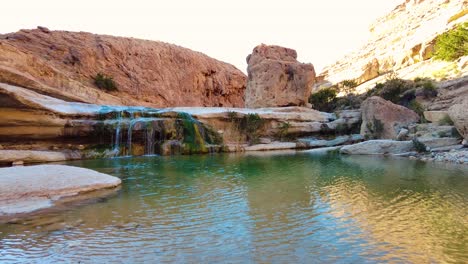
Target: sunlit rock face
[
  {"x": 384, "y": 119},
  {"x": 402, "y": 38},
  {"x": 63, "y": 64},
  {"x": 460, "y": 117},
  {"x": 276, "y": 78}
]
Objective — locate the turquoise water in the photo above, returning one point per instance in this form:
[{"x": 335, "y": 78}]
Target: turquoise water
[{"x": 262, "y": 208}]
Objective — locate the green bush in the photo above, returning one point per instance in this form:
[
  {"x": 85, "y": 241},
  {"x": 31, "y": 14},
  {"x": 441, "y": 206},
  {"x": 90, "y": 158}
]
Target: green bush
[
  {"x": 350, "y": 83},
  {"x": 427, "y": 85},
  {"x": 250, "y": 124},
  {"x": 417, "y": 107},
  {"x": 232, "y": 116},
  {"x": 419, "y": 146},
  {"x": 452, "y": 44},
  {"x": 350, "y": 101},
  {"x": 105, "y": 82},
  {"x": 347, "y": 86},
  {"x": 392, "y": 90},
  {"x": 324, "y": 99}
]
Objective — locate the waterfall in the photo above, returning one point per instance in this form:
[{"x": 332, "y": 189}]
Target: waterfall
[
  {"x": 142, "y": 132},
  {"x": 149, "y": 139},
  {"x": 129, "y": 134},
  {"x": 117, "y": 133}
]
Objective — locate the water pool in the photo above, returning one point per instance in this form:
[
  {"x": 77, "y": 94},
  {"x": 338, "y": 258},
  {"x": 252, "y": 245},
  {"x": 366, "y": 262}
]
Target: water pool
[{"x": 262, "y": 208}]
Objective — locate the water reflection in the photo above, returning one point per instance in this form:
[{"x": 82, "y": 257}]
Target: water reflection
[{"x": 278, "y": 208}]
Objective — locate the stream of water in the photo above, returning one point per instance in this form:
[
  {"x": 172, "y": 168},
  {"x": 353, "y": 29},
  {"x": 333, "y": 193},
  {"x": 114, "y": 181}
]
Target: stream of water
[{"x": 256, "y": 208}]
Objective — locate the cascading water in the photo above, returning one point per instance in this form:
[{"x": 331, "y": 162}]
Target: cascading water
[
  {"x": 117, "y": 133},
  {"x": 129, "y": 133},
  {"x": 149, "y": 140},
  {"x": 143, "y": 131}
]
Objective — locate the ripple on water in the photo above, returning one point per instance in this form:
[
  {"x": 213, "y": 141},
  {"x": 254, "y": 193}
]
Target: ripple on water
[{"x": 280, "y": 208}]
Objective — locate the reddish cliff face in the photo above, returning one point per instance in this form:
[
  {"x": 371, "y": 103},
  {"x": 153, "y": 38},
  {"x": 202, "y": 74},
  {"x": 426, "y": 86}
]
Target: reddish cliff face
[{"x": 62, "y": 64}]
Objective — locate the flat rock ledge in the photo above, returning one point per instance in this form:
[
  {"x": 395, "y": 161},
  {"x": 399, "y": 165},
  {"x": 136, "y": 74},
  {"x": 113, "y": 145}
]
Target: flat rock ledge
[{"x": 27, "y": 189}]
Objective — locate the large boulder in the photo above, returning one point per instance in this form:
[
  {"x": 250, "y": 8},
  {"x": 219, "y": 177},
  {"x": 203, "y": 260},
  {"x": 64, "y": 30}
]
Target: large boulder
[
  {"x": 384, "y": 119},
  {"x": 458, "y": 114},
  {"x": 276, "y": 78},
  {"x": 27, "y": 189}
]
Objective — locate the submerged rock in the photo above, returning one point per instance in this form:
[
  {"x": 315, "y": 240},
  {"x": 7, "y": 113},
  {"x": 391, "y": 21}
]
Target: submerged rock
[
  {"x": 271, "y": 146},
  {"x": 378, "y": 147},
  {"x": 317, "y": 143},
  {"x": 27, "y": 189},
  {"x": 276, "y": 78}
]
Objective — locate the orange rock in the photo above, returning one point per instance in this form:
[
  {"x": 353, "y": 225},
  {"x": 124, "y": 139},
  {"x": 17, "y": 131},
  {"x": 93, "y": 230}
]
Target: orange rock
[
  {"x": 384, "y": 119},
  {"x": 276, "y": 78},
  {"x": 62, "y": 64}
]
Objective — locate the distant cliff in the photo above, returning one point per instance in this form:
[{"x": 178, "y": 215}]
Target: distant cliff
[
  {"x": 403, "y": 40},
  {"x": 64, "y": 64}
]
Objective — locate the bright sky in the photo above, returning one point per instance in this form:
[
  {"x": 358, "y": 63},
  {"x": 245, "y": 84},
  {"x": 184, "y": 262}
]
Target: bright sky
[{"x": 321, "y": 31}]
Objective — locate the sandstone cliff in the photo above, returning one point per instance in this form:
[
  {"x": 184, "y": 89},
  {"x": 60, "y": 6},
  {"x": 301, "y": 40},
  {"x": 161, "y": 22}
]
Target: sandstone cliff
[
  {"x": 403, "y": 41},
  {"x": 62, "y": 64}
]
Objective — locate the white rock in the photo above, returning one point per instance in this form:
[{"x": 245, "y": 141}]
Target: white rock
[
  {"x": 26, "y": 189},
  {"x": 378, "y": 147}
]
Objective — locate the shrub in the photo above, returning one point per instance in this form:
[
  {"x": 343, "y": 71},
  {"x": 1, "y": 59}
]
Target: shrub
[
  {"x": 452, "y": 44},
  {"x": 392, "y": 90},
  {"x": 283, "y": 130},
  {"x": 446, "y": 121},
  {"x": 427, "y": 86},
  {"x": 342, "y": 129},
  {"x": 250, "y": 124},
  {"x": 347, "y": 86},
  {"x": 105, "y": 82},
  {"x": 419, "y": 146},
  {"x": 324, "y": 99},
  {"x": 349, "y": 101},
  {"x": 418, "y": 108},
  {"x": 350, "y": 83},
  {"x": 232, "y": 116}
]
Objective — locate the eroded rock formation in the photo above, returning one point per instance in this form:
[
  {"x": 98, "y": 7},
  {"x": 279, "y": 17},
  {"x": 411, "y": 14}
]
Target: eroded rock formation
[
  {"x": 150, "y": 73},
  {"x": 403, "y": 38},
  {"x": 276, "y": 78}
]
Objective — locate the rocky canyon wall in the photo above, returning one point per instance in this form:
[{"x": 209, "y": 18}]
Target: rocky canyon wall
[
  {"x": 63, "y": 64},
  {"x": 400, "y": 39}
]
